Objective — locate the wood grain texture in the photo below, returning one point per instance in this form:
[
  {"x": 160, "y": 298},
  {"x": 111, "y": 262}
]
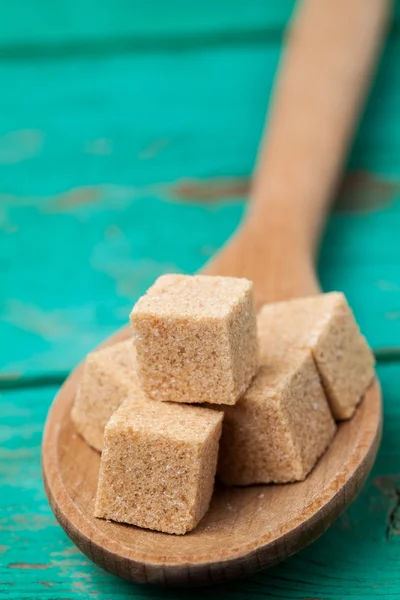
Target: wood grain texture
[
  {"x": 320, "y": 88},
  {"x": 126, "y": 156},
  {"x": 245, "y": 530}
]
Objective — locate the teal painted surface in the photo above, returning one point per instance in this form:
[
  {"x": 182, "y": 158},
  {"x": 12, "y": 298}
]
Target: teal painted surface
[
  {"x": 357, "y": 558},
  {"x": 89, "y": 208},
  {"x": 93, "y": 24},
  {"x": 126, "y": 145}
]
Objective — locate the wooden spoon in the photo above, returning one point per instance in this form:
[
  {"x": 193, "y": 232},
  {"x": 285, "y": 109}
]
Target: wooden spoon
[{"x": 329, "y": 59}]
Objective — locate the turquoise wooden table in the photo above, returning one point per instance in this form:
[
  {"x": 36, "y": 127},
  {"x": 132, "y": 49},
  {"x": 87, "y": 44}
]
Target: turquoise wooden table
[{"x": 118, "y": 162}]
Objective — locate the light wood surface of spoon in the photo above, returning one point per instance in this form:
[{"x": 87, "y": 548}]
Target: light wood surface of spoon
[{"x": 330, "y": 56}]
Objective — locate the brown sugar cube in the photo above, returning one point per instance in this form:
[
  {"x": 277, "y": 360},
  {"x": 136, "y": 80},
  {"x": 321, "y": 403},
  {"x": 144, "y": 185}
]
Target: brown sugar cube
[
  {"x": 280, "y": 427},
  {"x": 325, "y": 324},
  {"x": 109, "y": 376},
  {"x": 196, "y": 339},
  {"x": 158, "y": 465}
]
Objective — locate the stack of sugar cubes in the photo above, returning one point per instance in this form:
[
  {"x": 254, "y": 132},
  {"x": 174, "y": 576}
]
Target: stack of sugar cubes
[{"x": 204, "y": 386}]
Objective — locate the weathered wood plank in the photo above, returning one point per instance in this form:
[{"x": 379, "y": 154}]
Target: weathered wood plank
[
  {"x": 357, "y": 558},
  {"x": 92, "y": 205},
  {"x": 100, "y": 121}
]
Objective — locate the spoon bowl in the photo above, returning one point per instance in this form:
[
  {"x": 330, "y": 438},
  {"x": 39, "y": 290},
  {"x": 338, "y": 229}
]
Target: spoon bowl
[{"x": 246, "y": 528}]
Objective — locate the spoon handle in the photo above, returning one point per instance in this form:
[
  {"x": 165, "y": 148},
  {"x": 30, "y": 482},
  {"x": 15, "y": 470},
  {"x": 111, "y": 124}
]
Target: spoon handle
[{"x": 329, "y": 59}]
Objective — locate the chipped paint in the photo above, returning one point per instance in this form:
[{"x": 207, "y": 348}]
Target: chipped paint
[
  {"x": 112, "y": 232},
  {"x": 388, "y": 286},
  {"x": 6, "y": 224},
  {"x": 23, "y": 565},
  {"x": 66, "y": 552},
  {"x": 46, "y": 583},
  {"x": 96, "y": 197},
  {"x": 33, "y": 319},
  {"x": 8, "y": 432},
  {"x": 79, "y": 584},
  {"x": 130, "y": 275},
  {"x": 153, "y": 149},
  {"x": 24, "y": 522},
  {"x": 10, "y": 376},
  {"x": 99, "y": 147},
  {"x": 17, "y": 146},
  {"x": 74, "y": 198},
  {"x": 390, "y": 486},
  {"x": 209, "y": 190},
  {"x": 362, "y": 191},
  {"x": 392, "y": 316},
  {"x": 344, "y": 522},
  {"x": 386, "y": 483}
]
